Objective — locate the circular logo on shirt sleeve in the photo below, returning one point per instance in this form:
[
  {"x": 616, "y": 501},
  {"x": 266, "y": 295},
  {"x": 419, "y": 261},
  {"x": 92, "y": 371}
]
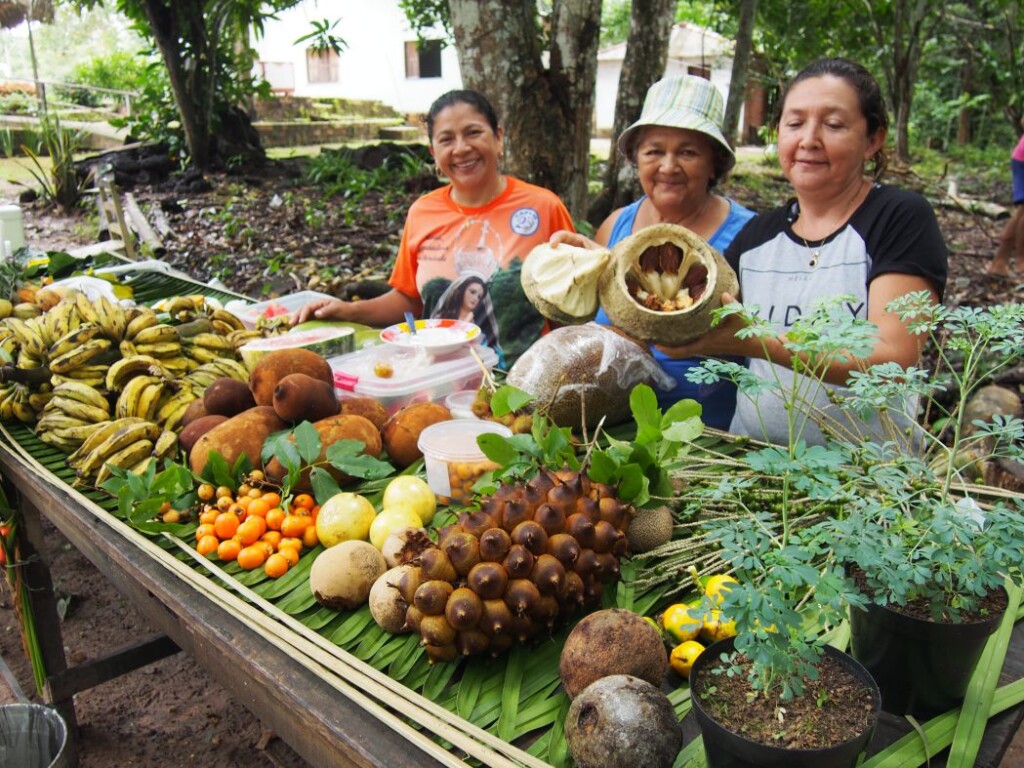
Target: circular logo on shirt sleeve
[{"x": 525, "y": 221}]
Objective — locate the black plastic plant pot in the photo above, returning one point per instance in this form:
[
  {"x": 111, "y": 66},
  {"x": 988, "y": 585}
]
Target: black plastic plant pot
[
  {"x": 726, "y": 749},
  {"x": 922, "y": 667}
]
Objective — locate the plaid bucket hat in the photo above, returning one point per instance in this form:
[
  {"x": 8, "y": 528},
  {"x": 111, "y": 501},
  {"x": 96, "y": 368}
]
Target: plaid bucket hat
[{"x": 684, "y": 101}]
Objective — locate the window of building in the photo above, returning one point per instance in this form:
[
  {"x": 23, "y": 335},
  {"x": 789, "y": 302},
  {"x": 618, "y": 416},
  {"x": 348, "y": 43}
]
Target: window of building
[
  {"x": 321, "y": 66},
  {"x": 423, "y": 59}
]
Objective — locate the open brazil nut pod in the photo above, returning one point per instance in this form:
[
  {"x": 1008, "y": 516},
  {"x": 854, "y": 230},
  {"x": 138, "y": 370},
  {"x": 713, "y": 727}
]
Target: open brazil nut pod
[
  {"x": 663, "y": 284},
  {"x": 561, "y": 281}
]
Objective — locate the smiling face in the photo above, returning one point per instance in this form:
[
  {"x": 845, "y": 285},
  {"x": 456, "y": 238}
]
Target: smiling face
[
  {"x": 675, "y": 167},
  {"x": 466, "y": 148},
  {"x": 823, "y": 136}
]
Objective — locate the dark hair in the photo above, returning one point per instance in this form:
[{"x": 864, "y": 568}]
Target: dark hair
[
  {"x": 869, "y": 97},
  {"x": 474, "y": 99},
  {"x": 452, "y": 304}
]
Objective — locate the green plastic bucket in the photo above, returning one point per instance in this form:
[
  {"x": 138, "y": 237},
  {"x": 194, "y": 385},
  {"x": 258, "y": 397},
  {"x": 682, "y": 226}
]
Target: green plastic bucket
[{"x": 32, "y": 736}]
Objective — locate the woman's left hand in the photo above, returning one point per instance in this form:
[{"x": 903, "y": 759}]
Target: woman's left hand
[{"x": 574, "y": 238}]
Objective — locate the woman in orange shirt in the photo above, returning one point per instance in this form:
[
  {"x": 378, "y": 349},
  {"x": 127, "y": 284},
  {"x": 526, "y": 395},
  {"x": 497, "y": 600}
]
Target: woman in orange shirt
[{"x": 477, "y": 230}]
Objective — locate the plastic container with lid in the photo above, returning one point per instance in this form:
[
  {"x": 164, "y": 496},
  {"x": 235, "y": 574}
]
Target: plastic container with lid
[
  {"x": 461, "y": 403},
  {"x": 398, "y": 377},
  {"x": 453, "y": 460},
  {"x": 12, "y": 228},
  {"x": 283, "y": 306}
]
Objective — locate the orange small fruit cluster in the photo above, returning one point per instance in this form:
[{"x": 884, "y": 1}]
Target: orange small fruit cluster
[{"x": 252, "y": 527}]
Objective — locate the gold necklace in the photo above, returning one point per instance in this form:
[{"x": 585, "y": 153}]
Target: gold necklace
[{"x": 816, "y": 252}]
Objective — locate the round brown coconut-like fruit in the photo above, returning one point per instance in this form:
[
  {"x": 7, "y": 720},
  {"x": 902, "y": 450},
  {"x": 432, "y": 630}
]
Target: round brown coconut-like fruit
[
  {"x": 401, "y": 433},
  {"x": 611, "y": 642},
  {"x": 650, "y": 528},
  {"x": 561, "y": 281},
  {"x": 698, "y": 275},
  {"x": 274, "y": 366},
  {"x": 622, "y": 722}
]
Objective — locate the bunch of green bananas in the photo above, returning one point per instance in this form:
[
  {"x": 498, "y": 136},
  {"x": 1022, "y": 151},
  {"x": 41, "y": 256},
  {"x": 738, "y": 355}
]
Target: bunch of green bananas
[{"x": 129, "y": 443}]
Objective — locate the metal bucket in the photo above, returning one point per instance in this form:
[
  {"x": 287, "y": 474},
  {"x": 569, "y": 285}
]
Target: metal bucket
[{"x": 32, "y": 736}]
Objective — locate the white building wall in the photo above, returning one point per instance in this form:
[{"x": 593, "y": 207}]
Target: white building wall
[{"x": 371, "y": 67}]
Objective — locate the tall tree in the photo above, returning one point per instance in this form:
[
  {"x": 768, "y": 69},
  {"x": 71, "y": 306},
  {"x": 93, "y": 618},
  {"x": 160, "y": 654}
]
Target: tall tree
[
  {"x": 740, "y": 67},
  {"x": 900, "y": 29},
  {"x": 650, "y": 26},
  {"x": 198, "y": 41},
  {"x": 539, "y": 71}
]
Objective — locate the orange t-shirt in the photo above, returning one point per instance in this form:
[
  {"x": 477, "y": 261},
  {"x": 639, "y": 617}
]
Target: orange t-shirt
[{"x": 466, "y": 262}]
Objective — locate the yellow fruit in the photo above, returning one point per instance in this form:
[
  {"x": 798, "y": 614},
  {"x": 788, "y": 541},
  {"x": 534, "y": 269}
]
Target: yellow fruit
[
  {"x": 715, "y": 629},
  {"x": 680, "y": 624},
  {"x": 683, "y": 656},
  {"x": 390, "y": 520},
  {"x": 344, "y": 517},
  {"x": 6, "y": 308},
  {"x": 412, "y": 493},
  {"x": 717, "y": 586}
]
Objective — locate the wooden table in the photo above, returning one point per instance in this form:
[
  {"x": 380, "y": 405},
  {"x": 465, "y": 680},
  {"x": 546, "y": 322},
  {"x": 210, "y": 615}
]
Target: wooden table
[{"x": 298, "y": 705}]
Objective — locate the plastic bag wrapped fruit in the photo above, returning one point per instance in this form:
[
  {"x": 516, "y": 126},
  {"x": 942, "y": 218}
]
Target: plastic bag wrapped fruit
[
  {"x": 585, "y": 370},
  {"x": 663, "y": 283},
  {"x": 561, "y": 281}
]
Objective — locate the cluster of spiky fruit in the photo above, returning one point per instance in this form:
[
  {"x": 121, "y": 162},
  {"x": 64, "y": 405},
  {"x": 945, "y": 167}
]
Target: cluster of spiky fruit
[{"x": 533, "y": 554}]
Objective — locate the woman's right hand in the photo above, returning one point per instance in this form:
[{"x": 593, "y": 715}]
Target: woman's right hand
[
  {"x": 321, "y": 309},
  {"x": 574, "y": 238}
]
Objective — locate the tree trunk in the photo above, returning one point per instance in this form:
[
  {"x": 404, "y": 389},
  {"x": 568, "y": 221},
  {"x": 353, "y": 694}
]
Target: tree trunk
[
  {"x": 190, "y": 82},
  {"x": 740, "y": 68},
  {"x": 650, "y": 26},
  {"x": 903, "y": 35},
  {"x": 963, "y": 126},
  {"x": 547, "y": 110}
]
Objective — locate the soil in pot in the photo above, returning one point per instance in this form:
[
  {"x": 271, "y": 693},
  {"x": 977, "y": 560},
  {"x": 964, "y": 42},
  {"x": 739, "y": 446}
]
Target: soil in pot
[
  {"x": 922, "y": 666},
  {"x": 828, "y": 727}
]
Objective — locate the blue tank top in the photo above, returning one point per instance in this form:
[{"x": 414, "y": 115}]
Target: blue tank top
[{"x": 717, "y": 400}]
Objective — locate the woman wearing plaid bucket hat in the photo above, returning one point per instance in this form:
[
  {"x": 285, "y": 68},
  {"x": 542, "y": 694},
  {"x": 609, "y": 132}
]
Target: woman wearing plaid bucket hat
[{"x": 680, "y": 154}]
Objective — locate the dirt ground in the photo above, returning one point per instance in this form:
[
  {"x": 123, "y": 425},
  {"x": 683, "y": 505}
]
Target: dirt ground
[{"x": 270, "y": 232}]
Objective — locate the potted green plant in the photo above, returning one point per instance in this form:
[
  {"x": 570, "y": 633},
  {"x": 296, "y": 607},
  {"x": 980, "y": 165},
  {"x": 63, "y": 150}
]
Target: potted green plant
[
  {"x": 929, "y": 548},
  {"x": 778, "y": 693}
]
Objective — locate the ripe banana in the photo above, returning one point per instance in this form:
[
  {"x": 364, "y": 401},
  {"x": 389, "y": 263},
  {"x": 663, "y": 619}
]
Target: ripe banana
[
  {"x": 160, "y": 349},
  {"x": 103, "y": 430},
  {"x": 124, "y": 459},
  {"x": 228, "y": 366},
  {"x": 128, "y": 400},
  {"x": 80, "y": 356},
  {"x": 149, "y": 399},
  {"x": 243, "y": 337},
  {"x": 73, "y": 339},
  {"x": 228, "y": 318},
  {"x": 85, "y": 309},
  {"x": 111, "y": 318},
  {"x": 180, "y": 399},
  {"x": 156, "y": 334},
  {"x": 51, "y": 438},
  {"x": 23, "y": 412},
  {"x": 55, "y": 419},
  {"x": 76, "y": 390},
  {"x": 28, "y": 336},
  {"x": 132, "y": 432},
  {"x": 146, "y": 318},
  {"x": 80, "y": 410},
  {"x": 38, "y": 400},
  {"x": 165, "y": 445},
  {"x": 125, "y": 369}
]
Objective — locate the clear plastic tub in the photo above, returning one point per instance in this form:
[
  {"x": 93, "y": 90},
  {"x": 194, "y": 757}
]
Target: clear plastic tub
[
  {"x": 399, "y": 377},
  {"x": 461, "y": 403},
  {"x": 452, "y": 458},
  {"x": 282, "y": 306}
]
